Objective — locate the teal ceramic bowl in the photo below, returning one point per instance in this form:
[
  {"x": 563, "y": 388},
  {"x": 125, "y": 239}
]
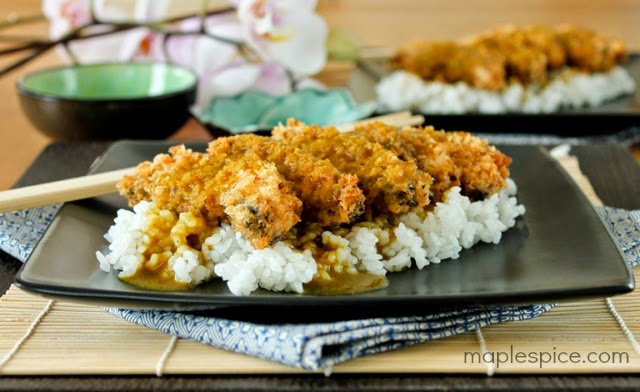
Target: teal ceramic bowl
[
  {"x": 108, "y": 101},
  {"x": 256, "y": 112}
]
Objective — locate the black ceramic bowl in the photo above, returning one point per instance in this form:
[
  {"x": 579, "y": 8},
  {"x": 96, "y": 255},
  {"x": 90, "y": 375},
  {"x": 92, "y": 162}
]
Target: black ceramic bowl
[{"x": 108, "y": 101}]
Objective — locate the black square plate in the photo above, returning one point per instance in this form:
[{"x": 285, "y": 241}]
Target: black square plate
[
  {"x": 558, "y": 250},
  {"x": 614, "y": 116}
]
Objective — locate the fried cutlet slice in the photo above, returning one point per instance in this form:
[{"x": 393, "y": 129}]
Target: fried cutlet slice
[
  {"x": 451, "y": 158},
  {"x": 589, "y": 51},
  {"x": 420, "y": 147},
  {"x": 528, "y": 53},
  {"x": 522, "y": 64},
  {"x": 257, "y": 200},
  {"x": 329, "y": 197},
  {"x": 390, "y": 185},
  {"x": 490, "y": 60},
  {"x": 476, "y": 66},
  {"x": 179, "y": 181},
  {"x": 451, "y": 62},
  {"x": 424, "y": 58},
  {"x": 247, "y": 192},
  {"x": 546, "y": 40},
  {"x": 483, "y": 168}
]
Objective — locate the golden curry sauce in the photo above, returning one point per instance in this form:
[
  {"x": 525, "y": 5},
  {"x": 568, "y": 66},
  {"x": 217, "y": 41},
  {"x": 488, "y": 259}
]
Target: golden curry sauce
[
  {"x": 170, "y": 234},
  {"x": 334, "y": 276}
]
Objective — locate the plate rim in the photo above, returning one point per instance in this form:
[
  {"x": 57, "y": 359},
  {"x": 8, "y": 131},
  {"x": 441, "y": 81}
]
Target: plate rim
[{"x": 159, "y": 299}]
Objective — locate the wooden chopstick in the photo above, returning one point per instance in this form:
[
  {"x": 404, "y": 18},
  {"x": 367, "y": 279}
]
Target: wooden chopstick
[
  {"x": 61, "y": 191},
  {"x": 398, "y": 119},
  {"x": 410, "y": 121},
  {"x": 104, "y": 183}
]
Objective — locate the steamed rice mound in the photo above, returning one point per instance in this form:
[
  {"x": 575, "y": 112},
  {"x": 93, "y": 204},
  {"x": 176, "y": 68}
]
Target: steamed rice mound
[
  {"x": 164, "y": 250},
  {"x": 568, "y": 89},
  {"x": 508, "y": 69}
]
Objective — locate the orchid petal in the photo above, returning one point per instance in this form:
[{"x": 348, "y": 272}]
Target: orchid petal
[
  {"x": 273, "y": 80},
  {"x": 113, "y": 47},
  {"x": 235, "y": 79},
  {"x": 151, "y": 48},
  {"x": 227, "y": 82},
  {"x": 113, "y": 10},
  {"x": 58, "y": 28},
  {"x": 53, "y": 9},
  {"x": 307, "y": 5},
  {"x": 286, "y": 31},
  {"x": 305, "y": 52},
  {"x": 150, "y": 10},
  {"x": 224, "y": 25},
  {"x": 65, "y": 15},
  {"x": 204, "y": 55}
]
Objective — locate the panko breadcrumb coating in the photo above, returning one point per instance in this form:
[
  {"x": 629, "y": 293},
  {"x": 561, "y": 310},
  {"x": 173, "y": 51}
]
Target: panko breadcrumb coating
[
  {"x": 589, "y": 51},
  {"x": 247, "y": 192},
  {"x": 257, "y": 200},
  {"x": 451, "y": 62},
  {"x": 451, "y": 158},
  {"x": 419, "y": 147},
  {"x": 180, "y": 181},
  {"x": 483, "y": 168},
  {"x": 264, "y": 187},
  {"x": 390, "y": 185},
  {"x": 526, "y": 55},
  {"x": 329, "y": 197}
]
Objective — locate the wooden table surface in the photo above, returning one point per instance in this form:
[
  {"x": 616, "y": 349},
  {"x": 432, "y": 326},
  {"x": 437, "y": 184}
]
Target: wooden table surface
[{"x": 385, "y": 23}]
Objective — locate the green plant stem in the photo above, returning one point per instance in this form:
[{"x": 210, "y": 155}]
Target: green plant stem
[
  {"x": 39, "y": 47},
  {"x": 36, "y": 53},
  {"x": 20, "y": 48}
]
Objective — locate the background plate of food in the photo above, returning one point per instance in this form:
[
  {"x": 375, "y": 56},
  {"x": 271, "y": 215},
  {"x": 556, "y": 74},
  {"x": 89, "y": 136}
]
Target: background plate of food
[
  {"x": 398, "y": 234},
  {"x": 561, "y": 80}
]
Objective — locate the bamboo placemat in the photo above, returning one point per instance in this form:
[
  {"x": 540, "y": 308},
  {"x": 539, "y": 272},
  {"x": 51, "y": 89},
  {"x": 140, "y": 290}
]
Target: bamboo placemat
[{"x": 595, "y": 336}]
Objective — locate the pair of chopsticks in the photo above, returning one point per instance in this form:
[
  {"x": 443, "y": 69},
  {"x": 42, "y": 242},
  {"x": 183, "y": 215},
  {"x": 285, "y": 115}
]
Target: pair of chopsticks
[{"x": 104, "y": 183}]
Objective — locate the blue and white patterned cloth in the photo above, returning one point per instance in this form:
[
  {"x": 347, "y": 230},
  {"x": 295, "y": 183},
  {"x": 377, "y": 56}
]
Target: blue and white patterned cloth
[
  {"x": 315, "y": 346},
  {"x": 21, "y": 230}
]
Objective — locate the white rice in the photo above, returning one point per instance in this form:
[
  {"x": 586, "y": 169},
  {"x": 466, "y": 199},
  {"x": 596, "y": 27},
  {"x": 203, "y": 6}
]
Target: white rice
[
  {"x": 402, "y": 90},
  {"x": 277, "y": 268},
  {"x": 129, "y": 239},
  {"x": 453, "y": 225}
]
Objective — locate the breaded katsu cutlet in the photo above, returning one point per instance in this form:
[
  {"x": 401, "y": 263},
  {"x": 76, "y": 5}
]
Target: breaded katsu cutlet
[
  {"x": 264, "y": 186},
  {"x": 246, "y": 191},
  {"x": 525, "y": 55},
  {"x": 483, "y": 168},
  {"x": 419, "y": 147},
  {"x": 448, "y": 62},
  {"x": 451, "y": 158},
  {"x": 390, "y": 185},
  {"x": 589, "y": 51},
  {"x": 329, "y": 197}
]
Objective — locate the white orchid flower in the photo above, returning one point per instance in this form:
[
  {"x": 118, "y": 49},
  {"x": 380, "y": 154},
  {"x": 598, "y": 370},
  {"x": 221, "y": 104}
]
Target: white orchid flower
[
  {"x": 288, "y": 32},
  {"x": 286, "y": 37},
  {"x": 273, "y": 79},
  {"x": 222, "y": 69},
  {"x": 66, "y": 15}
]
